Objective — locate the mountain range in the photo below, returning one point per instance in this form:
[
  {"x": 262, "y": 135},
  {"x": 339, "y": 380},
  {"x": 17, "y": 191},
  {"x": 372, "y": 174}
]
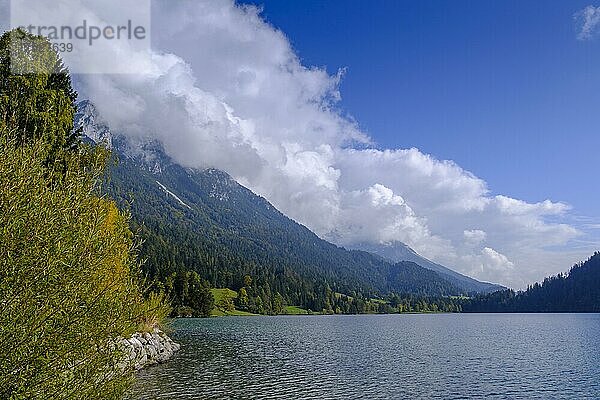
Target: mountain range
[
  {"x": 398, "y": 251},
  {"x": 206, "y": 222}
]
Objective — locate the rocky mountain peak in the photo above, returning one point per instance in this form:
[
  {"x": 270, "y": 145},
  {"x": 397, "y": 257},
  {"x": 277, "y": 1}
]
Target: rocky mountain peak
[{"x": 92, "y": 125}]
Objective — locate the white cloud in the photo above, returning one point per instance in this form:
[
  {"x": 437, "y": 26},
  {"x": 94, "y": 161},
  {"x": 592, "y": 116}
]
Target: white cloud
[
  {"x": 474, "y": 237},
  {"x": 495, "y": 260},
  {"x": 588, "y": 21},
  {"x": 489, "y": 264},
  {"x": 225, "y": 89}
]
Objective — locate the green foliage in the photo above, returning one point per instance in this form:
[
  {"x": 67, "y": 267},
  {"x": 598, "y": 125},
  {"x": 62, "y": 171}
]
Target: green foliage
[
  {"x": 200, "y": 297},
  {"x": 37, "y": 100},
  {"x": 69, "y": 276},
  {"x": 189, "y": 294},
  {"x": 153, "y": 311},
  {"x": 68, "y": 281}
]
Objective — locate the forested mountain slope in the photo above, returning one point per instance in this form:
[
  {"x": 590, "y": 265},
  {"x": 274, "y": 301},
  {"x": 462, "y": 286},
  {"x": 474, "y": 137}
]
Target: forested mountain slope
[
  {"x": 204, "y": 221},
  {"x": 398, "y": 251},
  {"x": 577, "y": 291}
]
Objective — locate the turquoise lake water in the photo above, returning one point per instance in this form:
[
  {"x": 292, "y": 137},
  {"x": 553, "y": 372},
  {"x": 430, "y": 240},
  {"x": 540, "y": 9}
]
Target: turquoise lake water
[{"x": 431, "y": 356}]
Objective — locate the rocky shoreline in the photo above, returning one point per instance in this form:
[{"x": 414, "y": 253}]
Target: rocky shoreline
[{"x": 146, "y": 349}]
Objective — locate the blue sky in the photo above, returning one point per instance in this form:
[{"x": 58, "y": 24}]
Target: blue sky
[{"x": 504, "y": 88}]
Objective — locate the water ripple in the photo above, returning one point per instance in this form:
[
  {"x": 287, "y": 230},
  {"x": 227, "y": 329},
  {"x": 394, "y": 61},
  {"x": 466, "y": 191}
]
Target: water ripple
[{"x": 451, "y": 356}]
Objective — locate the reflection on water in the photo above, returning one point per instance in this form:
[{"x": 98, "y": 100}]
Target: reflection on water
[{"x": 446, "y": 356}]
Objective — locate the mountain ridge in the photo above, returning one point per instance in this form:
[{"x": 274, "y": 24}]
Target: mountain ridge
[
  {"x": 398, "y": 251},
  {"x": 205, "y": 221}
]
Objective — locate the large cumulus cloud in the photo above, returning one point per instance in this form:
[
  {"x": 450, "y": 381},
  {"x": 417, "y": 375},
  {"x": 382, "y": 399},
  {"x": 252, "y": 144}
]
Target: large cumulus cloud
[{"x": 225, "y": 89}]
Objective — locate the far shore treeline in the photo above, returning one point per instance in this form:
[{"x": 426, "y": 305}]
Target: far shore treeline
[{"x": 577, "y": 291}]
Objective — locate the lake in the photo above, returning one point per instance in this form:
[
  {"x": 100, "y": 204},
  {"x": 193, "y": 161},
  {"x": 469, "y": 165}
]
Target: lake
[{"x": 429, "y": 356}]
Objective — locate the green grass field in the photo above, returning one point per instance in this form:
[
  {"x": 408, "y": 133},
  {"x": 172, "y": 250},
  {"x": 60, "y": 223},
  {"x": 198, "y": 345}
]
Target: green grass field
[
  {"x": 235, "y": 313},
  {"x": 293, "y": 310},
  {"x": 221, "y": 294},
  {"x": 224, "y": 303}
]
